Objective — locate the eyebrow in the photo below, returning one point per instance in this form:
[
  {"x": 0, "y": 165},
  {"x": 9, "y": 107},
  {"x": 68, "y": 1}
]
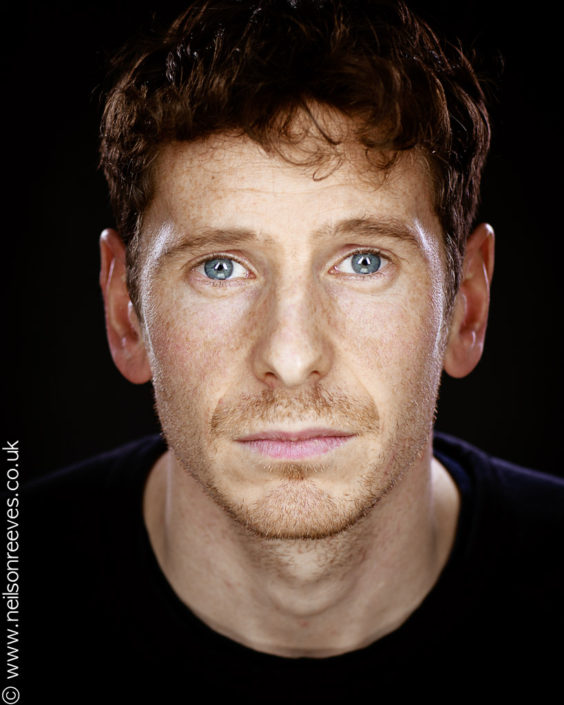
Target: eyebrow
[{"x": 208, "y": 237}]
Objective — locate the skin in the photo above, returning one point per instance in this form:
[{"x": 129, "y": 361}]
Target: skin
[{"x": 322, "y": 555}]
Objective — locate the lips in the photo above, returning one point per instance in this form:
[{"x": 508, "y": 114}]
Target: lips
[{"x": 295, "y": 445}]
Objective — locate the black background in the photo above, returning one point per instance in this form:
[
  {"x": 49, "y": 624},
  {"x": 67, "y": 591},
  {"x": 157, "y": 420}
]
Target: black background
[{"x": 63, "y": 398}]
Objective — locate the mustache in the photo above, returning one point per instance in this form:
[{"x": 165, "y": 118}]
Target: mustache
[{"x": 315, "y": 405}]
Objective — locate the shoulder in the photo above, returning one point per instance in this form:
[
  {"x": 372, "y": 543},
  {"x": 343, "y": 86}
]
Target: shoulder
[
  {"x": 515, "y": 520},
  {"x": 524, "y": 492},
  {"x": 74, "y": 510},
  {"x": 98, "y": 474},
  {"x": 77, "y": 522}
]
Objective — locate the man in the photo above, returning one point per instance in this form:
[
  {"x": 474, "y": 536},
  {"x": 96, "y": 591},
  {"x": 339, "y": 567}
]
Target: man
[{"x": 295, "y": 263}]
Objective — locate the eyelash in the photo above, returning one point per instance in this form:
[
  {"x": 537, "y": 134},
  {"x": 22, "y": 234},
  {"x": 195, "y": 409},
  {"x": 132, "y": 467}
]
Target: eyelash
[{"x": 225, "y": 282}]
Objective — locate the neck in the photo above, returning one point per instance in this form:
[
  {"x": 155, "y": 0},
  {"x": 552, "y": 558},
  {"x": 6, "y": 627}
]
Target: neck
[{"x": 312, "y": 597}]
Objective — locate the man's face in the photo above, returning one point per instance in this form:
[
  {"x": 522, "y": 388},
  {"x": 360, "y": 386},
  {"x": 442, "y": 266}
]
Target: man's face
[{"x": 295, "y": 330}]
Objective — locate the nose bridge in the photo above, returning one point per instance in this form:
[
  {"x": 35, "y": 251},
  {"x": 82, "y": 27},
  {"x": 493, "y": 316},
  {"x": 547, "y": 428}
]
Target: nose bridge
[
  {"x": 296, "y": 313},
  {"x": 293, "y": 345}
]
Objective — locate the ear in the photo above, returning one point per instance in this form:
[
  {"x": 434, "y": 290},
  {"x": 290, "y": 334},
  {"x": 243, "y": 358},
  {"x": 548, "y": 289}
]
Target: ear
[
  {"x": 470, "y": 317},
  {"x": 122, "y": 325}
]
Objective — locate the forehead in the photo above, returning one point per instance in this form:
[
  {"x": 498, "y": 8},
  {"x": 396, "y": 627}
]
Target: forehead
[{"x": 231, "y": 182}]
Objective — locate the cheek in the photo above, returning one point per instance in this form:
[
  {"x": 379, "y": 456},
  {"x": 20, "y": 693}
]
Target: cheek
[
  {"x": 394, "y": 337},
  {"x": 197, "y": 343}
]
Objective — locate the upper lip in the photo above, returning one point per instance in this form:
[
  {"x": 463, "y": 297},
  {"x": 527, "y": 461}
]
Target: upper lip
[{"x": 303, "y": 435}]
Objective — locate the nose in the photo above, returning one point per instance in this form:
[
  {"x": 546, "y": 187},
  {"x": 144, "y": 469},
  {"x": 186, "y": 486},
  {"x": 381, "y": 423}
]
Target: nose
[{"x": 292, "y": 341}]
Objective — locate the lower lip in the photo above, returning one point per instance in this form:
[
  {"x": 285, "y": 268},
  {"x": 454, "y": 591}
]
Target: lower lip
[{"x": 296, "y": 450}]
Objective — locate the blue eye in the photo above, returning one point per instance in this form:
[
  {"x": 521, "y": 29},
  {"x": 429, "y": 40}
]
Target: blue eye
[
  {"x": 361, "y": 263},
  {"x": 220, "y": 268},
  {"x": 366, "y": 262}
]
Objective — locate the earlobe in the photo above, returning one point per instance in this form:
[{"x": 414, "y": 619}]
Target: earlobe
[
  {"x": 469, "y": 320},
  {"x": 122, "y": 324}
]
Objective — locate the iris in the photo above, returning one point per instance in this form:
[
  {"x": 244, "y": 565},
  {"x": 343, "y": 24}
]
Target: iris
[
  {"x": 218, "y": 268},
  {"x": 366, "y": 262}
]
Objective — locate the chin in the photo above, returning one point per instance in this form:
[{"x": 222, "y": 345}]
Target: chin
[{"x": 300, "y": 508}]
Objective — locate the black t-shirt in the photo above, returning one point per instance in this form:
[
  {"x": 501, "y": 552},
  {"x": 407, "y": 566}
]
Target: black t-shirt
[{"x": 100, "y": 623}]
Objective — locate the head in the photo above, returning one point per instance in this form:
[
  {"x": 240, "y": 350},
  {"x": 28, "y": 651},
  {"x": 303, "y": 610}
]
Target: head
[
  {"x": 294, "y": 183},
  {"x": 252, "y": 67}
]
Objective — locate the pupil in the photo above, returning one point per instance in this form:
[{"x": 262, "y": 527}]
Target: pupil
[
  {"x": 366, "y": 263},
  {"x": 218, "y": 268}
]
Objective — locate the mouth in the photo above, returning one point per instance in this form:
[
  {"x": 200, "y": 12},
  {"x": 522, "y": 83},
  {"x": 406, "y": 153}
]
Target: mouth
[{"x": 296, "y": 445}]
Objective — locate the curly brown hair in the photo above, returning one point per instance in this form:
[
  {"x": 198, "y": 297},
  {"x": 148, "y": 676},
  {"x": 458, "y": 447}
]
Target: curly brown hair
[{"x": 251, "y": 66}]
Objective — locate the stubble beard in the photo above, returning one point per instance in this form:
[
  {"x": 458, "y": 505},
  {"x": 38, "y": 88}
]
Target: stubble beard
[{"x": 298, "y": 507}]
